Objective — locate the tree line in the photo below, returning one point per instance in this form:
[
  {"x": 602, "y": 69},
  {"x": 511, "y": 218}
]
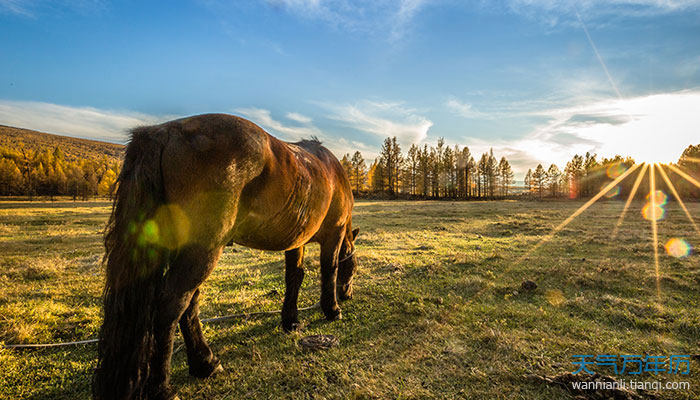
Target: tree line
[
  {"x": 47, "y": 171},
  {"x": 438, "y": 171},
  {"x": 424, "y": 172},
  {"x": 452, "y": 172},
  {"x": 585, "y": 176}
]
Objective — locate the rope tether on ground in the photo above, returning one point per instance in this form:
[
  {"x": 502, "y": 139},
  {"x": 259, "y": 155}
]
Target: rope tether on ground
[{"x": 89, "y": 341}]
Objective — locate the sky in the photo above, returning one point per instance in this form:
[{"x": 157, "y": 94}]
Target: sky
[{"x": 536, "y": 80}]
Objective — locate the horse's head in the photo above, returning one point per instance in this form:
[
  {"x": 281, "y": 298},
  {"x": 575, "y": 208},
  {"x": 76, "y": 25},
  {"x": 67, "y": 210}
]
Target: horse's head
[{"x": 347, "y": 265}]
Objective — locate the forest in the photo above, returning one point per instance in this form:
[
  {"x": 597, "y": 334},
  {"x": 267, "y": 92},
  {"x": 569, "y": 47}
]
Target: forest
[
  {"x": 436, "y": 172},
  {"x": 50, "y": 165}
]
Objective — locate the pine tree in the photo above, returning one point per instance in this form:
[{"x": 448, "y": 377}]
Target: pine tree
[
  {"x": 528, "y": 180},
  {"x": 412, "y": 161},
  {"x": 539, "y": 177},
  {"x": 448, "y": 168},
  {"x": 10, "y": 178},
  {"x": 575, "y": 170},
  {"x": 397, "y": 162},
  {"x": 107, "y": 184},
  {"x": 492, "y": 172},
  {"x": 359, "y": 175},
  {"x": 483, "y": 168},
  {"x": 347, "y": 165},
  {"x": 553, "y": 179},
  {"x": 506, "y": 175},
  {"x": 465, "y": 172},
  {"x": 471, "y": 174},
  {"x": 424, "y": 167}
]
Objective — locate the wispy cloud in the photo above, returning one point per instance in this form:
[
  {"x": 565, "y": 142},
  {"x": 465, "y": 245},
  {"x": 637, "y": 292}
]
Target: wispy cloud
[
  {"x": 85, "y": 122},
  {"x": 19, "y": 7},
  {"x": 555, "y": 12},
  {"x": 32, "y": 8},
  {"x": 302, "y": 119},
  {"x": 391, "y": 18},
  {"x": 463, "y": 109},
  {"x": 383, "y": 119},
  {"x": 303, "y": 128}
]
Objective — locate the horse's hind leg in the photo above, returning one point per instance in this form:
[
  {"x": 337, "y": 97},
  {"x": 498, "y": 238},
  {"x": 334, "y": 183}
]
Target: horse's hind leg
[
  {"x": 200, "y": 358},
  {"x": 187, "y": 271},
  {"x": 293, "y": 276}
]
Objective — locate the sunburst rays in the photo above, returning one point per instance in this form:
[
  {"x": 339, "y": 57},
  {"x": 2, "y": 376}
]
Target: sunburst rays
[
  {"x": 673, "y": 190},
  {"x": 654, "y": 228},
  {"x": 581, "y": 209},
  {"x": 684, "y": 175},
  {"x": 633, "y": 192},
  {"x": 653, "y": 211},
  {"x": 693, "y": 159}
]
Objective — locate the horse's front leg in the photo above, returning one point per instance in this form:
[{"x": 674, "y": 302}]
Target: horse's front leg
[
  {"x": 293, "y": 277},
  {"x": 329, "y": 273}
]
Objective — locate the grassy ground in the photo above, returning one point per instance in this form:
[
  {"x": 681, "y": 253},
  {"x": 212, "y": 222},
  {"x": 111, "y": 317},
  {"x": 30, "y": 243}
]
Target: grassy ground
[{"x": 438, "y": 311}]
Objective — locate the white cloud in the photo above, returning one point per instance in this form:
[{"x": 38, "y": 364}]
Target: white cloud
[
  {"x": 302, "y": 119},
  {"x": 648, "y": 128},
  {"x": 383, "y": 120},
  {"x": 85, "y": 122},
  {"x": 264, "y": 118},
  {"x": 465, "y": 110},
  {"x": 304, "y": 130}
]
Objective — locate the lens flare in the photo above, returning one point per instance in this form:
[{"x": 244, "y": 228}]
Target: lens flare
[
  {"x": 678, "y": 248},
  {"x": 578, "y": 212},
  {"x": 615, "y": 170},
  {"x": 653, "y": 212},
  {"x": 555, "y": 297},
  {"x": 633, "y": 192},
  {"x": 614, "y": 192},
  {"x": 660, "y": 198},
  {"x": 678, "y": 199}
]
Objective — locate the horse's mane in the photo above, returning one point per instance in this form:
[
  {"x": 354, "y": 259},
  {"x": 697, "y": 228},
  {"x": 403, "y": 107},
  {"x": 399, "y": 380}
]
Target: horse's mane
[{"x": 312, "y": 144}]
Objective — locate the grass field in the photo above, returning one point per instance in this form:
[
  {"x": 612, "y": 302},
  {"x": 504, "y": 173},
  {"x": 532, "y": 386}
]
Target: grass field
[{"x": 437, "y": 313}]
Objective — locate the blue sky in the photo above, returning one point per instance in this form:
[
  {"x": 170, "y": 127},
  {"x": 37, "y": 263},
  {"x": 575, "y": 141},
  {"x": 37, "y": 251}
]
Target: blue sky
[{"x": 537, "y": 80}]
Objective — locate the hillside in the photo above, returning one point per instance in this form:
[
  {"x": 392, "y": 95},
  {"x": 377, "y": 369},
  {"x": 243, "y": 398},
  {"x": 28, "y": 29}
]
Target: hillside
[
  {"x": 73, "y": 148},
  {"x": 36, "y": 163}
]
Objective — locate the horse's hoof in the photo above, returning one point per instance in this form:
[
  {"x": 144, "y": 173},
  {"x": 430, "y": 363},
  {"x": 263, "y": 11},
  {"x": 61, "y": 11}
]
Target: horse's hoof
[
  {"x": 219, "y": 369},
  {"x": 334, "y": 315},
  {"x": 290, "y": 326},
  {"x": 343, "y": 297},
  {"x": 207, "y": 370},
  {"x": 168, "y": 394}
]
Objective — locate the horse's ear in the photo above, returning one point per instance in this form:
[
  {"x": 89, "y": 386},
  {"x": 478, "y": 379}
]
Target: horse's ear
[{"x": 354, "y": 233}]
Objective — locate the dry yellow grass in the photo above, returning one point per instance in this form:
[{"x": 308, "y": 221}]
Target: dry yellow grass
[{"x": 438, "y": 311}]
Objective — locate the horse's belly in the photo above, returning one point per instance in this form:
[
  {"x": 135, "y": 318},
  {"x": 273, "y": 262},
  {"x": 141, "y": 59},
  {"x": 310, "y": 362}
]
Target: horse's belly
[{"x": 282, "y": 232}]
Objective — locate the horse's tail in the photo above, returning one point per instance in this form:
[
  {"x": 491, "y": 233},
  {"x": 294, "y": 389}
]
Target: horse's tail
[{"x": 135, "y": 265}]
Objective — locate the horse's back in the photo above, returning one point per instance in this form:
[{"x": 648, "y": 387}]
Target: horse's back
[{"x": 235, "y": 181}]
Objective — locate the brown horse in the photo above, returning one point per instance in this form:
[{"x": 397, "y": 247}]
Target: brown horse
[{"x": 187, "y": 188}]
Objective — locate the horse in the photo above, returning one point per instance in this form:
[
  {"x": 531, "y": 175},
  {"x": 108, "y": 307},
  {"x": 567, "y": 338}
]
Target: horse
[{"x": 188, "y": 188}]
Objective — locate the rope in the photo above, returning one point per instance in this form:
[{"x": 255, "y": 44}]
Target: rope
[
  {"x": 90, "y": 341},
  {"x": 347, "y": 257}
]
